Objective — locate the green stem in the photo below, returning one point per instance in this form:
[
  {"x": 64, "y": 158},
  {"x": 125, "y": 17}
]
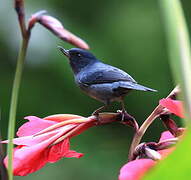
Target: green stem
[
  {"x": 13, "y": 105},
  {"x": 141, "y": 131}
]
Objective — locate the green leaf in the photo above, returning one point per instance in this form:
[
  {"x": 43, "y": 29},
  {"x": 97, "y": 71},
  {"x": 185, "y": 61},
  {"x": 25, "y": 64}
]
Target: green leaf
[
  {"x": 178, "y": 48},
  {"x": 177, "y": 165}
]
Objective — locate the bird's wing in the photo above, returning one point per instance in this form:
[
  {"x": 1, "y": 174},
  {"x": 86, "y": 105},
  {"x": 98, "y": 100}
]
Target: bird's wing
[
  {"x": 135, "y": 86},
  {"x": 108, "y": 74}
]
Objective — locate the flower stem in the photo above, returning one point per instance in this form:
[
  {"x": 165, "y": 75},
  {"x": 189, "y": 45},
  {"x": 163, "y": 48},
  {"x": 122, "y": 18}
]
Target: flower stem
[
  {"x": 141, "y": 131},
  {"x": 13, "y": 105}
]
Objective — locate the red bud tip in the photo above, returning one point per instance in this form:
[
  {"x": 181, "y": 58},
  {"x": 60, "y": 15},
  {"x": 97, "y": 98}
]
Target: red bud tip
[
  {"x": 35, "y": 18},
  {"x": 57, "y": 28}
]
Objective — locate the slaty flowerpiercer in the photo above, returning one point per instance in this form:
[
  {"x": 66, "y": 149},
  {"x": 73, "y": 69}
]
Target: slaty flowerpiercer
[{"x": 98, "y": 80}]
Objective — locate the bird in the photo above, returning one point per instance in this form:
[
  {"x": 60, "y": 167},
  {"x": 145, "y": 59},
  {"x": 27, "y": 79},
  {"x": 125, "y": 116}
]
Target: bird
[{"x": 100, "y": 81}]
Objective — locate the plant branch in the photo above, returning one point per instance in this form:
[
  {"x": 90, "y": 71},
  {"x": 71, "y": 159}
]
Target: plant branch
[
  {"x": 141, "y": 131},
  {"x": 19, "y": 7}
]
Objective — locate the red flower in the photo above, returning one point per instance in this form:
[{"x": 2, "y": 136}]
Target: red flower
[
  {"x": 135, "y": 170},
  {"x": 46, "y": 140},
  {"x": 174, "y": 106},
  {"x": 34, "y": 151}
]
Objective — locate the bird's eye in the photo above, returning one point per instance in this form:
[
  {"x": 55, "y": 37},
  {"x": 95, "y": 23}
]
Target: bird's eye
[{"x": 79, "y": 55}]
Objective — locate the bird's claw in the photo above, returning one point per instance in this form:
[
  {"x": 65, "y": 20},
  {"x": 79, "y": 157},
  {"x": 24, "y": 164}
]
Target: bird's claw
[{"x": 127, "y": 119}]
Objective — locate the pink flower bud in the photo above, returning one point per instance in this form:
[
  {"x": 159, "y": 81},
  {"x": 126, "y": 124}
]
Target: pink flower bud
[
  {"x": 136, "y": 169},
  {"x": 57, "y": 28}
]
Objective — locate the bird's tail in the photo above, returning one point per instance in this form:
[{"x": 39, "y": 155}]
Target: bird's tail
[{"x": 135, "y": 86}]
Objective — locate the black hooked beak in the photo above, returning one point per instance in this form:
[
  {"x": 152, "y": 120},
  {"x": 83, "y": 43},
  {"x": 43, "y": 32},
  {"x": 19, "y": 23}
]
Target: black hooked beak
[{"x": 64, "y": 51}]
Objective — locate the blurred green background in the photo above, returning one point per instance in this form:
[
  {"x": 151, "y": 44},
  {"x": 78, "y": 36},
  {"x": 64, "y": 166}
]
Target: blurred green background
[{"x": 128, "y": 34}]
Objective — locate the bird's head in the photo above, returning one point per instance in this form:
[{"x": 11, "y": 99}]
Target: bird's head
[{"x": 79, "y": 58}]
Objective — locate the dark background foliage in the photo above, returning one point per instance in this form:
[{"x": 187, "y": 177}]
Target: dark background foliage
[{"x": 128, "y": 34}]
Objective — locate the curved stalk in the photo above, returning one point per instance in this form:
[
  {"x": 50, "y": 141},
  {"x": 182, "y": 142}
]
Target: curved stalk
[{"x": 13, "y": 105}]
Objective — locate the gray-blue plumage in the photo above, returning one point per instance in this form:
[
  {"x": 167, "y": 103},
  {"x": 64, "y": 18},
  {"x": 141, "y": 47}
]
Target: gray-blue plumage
[{"x": 100, "y": 81}]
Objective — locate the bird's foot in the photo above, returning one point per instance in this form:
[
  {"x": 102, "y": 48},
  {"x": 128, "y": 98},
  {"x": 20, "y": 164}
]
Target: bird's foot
[
  {"x": 125, "y": 115},
  {"x": 127, "y": 119}
]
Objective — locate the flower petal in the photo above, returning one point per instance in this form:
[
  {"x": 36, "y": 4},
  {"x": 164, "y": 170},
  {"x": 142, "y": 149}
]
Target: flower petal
[
  {"x": 32, "y": 140},
  {"x": 62, "y": 117},
  {"x": 73, "y": 154},
  {"x": 136, "y": 169},
  {"x": 34, "y": 125},
  {"x": 61, "y": 150},
  {"x": 28, "y": 159},
  {"x": 165, "y": 135},
  {"x": 173, "y": 106},
  {"x": 37, "y": 124}
]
